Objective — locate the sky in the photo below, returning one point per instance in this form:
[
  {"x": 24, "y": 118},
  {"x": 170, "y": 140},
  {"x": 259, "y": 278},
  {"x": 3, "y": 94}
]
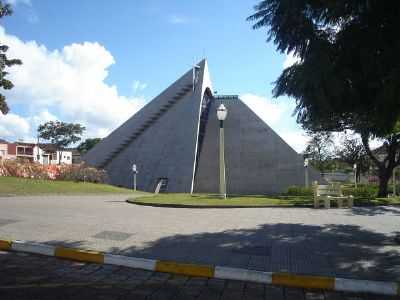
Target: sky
[{"x": 98, "y": 62}]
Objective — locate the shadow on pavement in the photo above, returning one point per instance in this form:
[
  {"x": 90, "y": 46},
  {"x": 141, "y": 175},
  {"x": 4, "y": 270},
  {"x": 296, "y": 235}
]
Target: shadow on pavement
[
  {"x": 374, "y": 210},
  {"x": 332, "y": 250}
]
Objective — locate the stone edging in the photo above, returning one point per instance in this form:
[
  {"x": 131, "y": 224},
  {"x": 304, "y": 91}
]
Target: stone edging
[{"x": 274, "y": 278}]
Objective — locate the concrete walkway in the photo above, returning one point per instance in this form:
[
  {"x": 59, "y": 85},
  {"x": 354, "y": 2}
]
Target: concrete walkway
[
  {"x": 29, "y": 277},
  {"x": 355, "y": 243}
]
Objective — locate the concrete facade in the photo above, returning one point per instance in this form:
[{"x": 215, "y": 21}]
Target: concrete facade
[
  {"x": 258, "y": 161},
  {"x": 166, "y": 147},
  {"x": 174, "y": 138}
]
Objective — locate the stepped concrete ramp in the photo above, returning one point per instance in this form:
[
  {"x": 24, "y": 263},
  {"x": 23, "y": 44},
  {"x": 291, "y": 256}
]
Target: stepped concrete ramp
[{"x": 161, "y": 138}]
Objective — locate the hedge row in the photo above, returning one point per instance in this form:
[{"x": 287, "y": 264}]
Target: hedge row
[
  {"x": 79, "y": 172},
  {"x": 363, "y": 191}
]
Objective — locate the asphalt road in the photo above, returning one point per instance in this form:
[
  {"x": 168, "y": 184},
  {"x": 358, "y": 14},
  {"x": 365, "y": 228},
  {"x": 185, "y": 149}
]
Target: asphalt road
[{"x": 356, "y": 243}]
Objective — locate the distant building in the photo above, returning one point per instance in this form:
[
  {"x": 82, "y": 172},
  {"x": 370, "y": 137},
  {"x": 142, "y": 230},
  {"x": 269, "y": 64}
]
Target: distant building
[
  {"x": 49, "y": 154},
  {"x": 174, "y": 139},
  {"x": 76, "y": 155},
  {"x": 4, "y": 149},
  {"x": 44, "y": 153}
]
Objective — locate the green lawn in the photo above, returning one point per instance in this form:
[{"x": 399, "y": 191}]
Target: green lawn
[
  {"x": 213, "y": 200},
  {"x": 204, "y": 200},
  {"x": 25, "y": 186}
]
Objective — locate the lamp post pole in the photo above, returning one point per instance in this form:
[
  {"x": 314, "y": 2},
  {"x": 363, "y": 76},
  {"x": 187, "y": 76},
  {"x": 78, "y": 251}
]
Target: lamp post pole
[
  {"x": 221, "y": 115},
  {"x": 134, "y": 169},
  {"x": 355, "y": 175},
  {"x": 306, "y": 171}
]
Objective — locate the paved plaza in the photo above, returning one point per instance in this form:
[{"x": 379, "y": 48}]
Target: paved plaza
[
  {"x": 357, "y": 243},
  {"x": 27, "y": 277}
]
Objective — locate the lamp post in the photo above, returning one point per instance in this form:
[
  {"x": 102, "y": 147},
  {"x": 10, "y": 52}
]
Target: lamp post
[
  {"x": 355, "y": 175},
  {"x": 135, "y": 171},
  {"x": 306, "y": 171},
  {"x": 221, "y": 115}
]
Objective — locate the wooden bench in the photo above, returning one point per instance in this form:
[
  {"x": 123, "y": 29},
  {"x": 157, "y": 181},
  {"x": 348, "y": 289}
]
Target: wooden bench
[{"x": 328, "y": 193}]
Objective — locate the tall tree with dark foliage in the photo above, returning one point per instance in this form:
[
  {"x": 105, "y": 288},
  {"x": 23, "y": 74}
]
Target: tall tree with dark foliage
[
  {"x": 5, "y": 10},
  {"x": 348, "y": 73}
]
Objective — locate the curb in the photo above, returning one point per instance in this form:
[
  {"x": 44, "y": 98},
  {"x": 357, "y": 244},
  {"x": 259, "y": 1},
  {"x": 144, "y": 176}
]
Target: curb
[{"x": 274, "y": 278}]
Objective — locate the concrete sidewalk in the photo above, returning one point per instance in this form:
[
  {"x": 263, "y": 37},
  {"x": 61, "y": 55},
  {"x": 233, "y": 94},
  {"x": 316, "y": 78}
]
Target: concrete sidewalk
[
  {"x": 355, "y": 243},
  {"x": 27, "y": 276}
]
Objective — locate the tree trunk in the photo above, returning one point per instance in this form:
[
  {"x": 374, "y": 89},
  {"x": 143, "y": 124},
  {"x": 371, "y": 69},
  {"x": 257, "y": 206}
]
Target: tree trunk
[
  {"x": 385, "y": 166},
  {"x": 384, "y": 177}
]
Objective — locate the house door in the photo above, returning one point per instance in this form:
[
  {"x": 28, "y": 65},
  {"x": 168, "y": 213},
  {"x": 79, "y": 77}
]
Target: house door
[{"x": 45, "y": 159}]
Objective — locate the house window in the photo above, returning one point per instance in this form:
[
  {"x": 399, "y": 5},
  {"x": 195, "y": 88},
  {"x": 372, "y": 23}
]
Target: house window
[
  {"x": 20, "y": 150},
  {"x": 29, "y": 151},
  {"x": 2, "y": 153},
  {"x": 53, "y": 156}
]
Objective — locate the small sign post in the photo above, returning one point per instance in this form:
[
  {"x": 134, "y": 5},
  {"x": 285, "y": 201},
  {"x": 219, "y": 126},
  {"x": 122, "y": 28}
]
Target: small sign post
[
  {"x": 135, "y": 172},
  {"x": 355, "y": 175}
]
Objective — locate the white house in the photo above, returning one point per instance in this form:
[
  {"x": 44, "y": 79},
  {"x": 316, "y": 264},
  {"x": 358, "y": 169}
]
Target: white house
[{"x": 48, "y": 154}]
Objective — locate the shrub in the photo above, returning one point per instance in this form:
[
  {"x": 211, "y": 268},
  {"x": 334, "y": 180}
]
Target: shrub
[
  {"x": 82, "y": 173},
  {"x": 22, "y": 169},
  {"x": 362, "y": 191},
  {"x": 299, "y": 191},
  {"x": 25, "y": 169}
]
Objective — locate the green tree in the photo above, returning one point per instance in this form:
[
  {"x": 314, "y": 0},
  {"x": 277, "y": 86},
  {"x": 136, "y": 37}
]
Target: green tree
[
  {"x": 61, "y": 134},
  {"x": 352, "y": 151},
  {"x": 88, "y": 144},
  {"x": 5, "y": 10},
  {"x": 348, "y": 73},
  {"x": 319, "y": 151}
]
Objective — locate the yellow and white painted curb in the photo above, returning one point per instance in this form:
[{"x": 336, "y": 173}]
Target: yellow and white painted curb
[{"x": 274, "y": 278}]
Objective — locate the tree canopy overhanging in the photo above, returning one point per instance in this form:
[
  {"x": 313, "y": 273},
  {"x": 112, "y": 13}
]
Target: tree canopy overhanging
[
  {"x": 348, "y": 76},
  {"x": 348, "y": 72},
  {"x": 5, "y": 10}
]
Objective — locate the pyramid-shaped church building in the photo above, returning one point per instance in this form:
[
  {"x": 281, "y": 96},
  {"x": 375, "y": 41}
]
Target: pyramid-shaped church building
[{"x": 174, "y": 140}]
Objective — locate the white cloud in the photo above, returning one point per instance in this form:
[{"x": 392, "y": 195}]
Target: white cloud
[
  {"x": 40, "y": 118},
  {"x": 174, "y": 19},
  {"x": 138, "y": 86},
  {"x": 290, "y": 60},
  {"x": 296, "y": 139},
  {"x": 270, "y": 112},
  {"x": 12, "y": 125},
  {"x": 16, "y": 2},
  {"x": 69, "y": 83}
]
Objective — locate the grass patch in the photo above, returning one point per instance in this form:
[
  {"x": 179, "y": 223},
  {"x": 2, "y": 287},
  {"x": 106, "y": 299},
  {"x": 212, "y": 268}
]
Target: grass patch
[
  {"x": 26, "y": 186},
  {"x": 204, "y": 200},
  {"x": 378, "y": 201}
]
